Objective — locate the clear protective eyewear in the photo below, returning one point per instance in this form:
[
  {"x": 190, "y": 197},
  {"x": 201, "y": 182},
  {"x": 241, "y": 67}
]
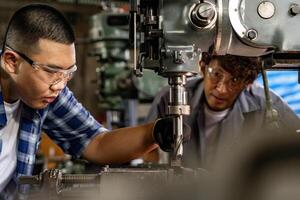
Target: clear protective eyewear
[
  {"x": 53, "y": 75},
  {"x": 216, "y": 75}
]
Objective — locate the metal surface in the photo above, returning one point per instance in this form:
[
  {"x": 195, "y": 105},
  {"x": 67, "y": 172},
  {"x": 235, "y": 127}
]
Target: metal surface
[
  {"x": 295, "y": 9},
  {"x": 272, "y": 21},
  {"x": 224, "y": 30},
  {"x": 271, "y": 115},
  {"x": 235, "y": 17},
  {"x": 266, "y": 9},
  {"x": 180, "y": 30},
  {"x": 202, "y": 15},
  {"x": 145, "y": 182},
  {"x": 256, "y": 28},
  {"x": 178, "y": 107}
]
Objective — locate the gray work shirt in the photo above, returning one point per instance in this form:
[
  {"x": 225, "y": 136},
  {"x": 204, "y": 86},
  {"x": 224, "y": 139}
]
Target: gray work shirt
[{"x": 246, "y": 115}]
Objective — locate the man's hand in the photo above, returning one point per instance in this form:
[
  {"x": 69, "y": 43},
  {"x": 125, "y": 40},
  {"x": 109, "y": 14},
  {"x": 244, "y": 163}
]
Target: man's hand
[{"x": 163, "y": 133}]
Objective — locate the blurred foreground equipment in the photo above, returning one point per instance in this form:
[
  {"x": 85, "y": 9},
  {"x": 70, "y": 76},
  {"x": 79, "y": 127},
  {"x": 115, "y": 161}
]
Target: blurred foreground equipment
[{"x": 262, "y": 167}]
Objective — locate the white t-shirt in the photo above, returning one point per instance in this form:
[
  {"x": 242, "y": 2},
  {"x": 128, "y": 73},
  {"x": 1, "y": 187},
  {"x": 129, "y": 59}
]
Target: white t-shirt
[
  {"x": 212, "y": 118},
  {"x": 8, "y": 155}
]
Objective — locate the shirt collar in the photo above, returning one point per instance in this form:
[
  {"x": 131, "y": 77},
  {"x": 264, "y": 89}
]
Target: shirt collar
[
  {"x": 3, "y": 118},
  {"x": 248, "y": 100}
]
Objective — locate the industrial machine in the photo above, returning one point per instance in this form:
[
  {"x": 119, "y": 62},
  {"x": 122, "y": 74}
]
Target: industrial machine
[
  {"x": 168, "y": 37},
  {"x": 172, "y": 34},
  {"x": 119, "y": 90},
  {"x": 109, "y": 36}
]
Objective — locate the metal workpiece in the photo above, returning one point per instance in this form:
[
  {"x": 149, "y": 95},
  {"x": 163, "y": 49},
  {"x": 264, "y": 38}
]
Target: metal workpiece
[
  {"x": 53, "y": 185},
  {"x": 151, "y": 182},
  {"x": 54, "y": 179},
  {"x": 143, "y": 182}
]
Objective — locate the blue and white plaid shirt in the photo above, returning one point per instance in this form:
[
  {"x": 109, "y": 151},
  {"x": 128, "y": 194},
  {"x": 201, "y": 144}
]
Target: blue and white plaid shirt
[{"x": 65, "y": 121}]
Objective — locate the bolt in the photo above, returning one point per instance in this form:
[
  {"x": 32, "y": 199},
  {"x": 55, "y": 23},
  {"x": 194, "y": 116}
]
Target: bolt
[{"x": 252, "y": 34}]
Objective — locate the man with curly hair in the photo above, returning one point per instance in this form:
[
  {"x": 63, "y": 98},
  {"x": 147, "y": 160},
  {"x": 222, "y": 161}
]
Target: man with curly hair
[{"x": 225, "y": 104}]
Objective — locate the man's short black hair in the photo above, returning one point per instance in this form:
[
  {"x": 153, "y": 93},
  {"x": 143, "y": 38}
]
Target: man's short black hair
[
  {"x": 37, "y": 21},
  {"x": 247, "y": 68}
]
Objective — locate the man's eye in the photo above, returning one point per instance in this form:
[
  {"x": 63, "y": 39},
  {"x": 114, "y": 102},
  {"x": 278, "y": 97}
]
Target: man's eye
[
  {"x": 235, "y": 80},
  {"x": 49, "y": 70},
  {"x": 217, "y": 74}
]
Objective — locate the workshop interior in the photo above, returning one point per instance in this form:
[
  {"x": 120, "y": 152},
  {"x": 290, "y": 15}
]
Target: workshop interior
[{"x": 128, "y": 50}]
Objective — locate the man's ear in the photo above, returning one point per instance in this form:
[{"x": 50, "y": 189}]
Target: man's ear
[{"x": 10, "y": 61}]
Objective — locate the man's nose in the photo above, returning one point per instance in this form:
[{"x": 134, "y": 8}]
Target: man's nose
[
  {"x": 60, "y": 85},
  {"x": 222, "y": 86}
]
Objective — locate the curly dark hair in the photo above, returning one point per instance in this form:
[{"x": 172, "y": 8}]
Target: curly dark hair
[{"x": 247, "y": 68}]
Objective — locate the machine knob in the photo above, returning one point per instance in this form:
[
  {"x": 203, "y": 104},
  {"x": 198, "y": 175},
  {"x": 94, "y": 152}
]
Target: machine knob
[
  {"x": 202, "y": 14},
  {"x": 294, "y": 9}
]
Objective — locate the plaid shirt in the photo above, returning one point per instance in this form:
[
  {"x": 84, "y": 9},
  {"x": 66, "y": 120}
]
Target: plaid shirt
[{"x": 65, "y": 121}]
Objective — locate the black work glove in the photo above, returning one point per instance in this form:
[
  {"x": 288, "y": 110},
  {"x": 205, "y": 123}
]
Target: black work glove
[{"x": 163, "y": 133}]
